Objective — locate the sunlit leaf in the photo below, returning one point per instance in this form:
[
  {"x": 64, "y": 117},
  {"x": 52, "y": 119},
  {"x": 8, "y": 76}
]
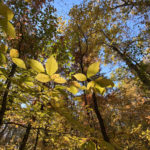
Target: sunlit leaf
[
  {"x": 36, "y": 65},
  {"x": 42, "y": 77},
  {"x": 14, "y": 53},
  {"x": 54, "y": 76},
  {"x": 93, "y": 69},
  {"x": 76, "y": 84},
  {"x": 90, "y": 84},
  {"x": 83, "y": 88},
  {"x": 2, "y": 76},
  {"x": 100, "y": 89},
  {"x": 60, "y": 80},
  {"x": 80, "y": 77},
  {"x": 51, "y": 65},
  {"x": 29, "y": 83},
  {"x": 19, "y": 62},
  {"x": 73, "y": 90}
]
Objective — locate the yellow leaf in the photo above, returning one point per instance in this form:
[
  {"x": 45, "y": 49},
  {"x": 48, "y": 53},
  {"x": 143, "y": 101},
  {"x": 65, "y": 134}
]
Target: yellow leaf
[
  {"x": 100, "y": 89},
  {"x": 59, "y": 80},
  {"x": 54, "y": 76},
  {"x": 80, "y": 77},
  {"x": 36, "y": 65},
  {"x": 42, "y": 77},
  {"x": 14, "y": 53},
  {"x": 2, "y": 76},
  {"x": 19, "y": 62},
  {"x": 76, "y": 84},
  {"x": 73, "y": 90},
  {"x": 51, "y": 66},
  {"x": 93, "y": 69},
  {"x": 83, "y": 88},
  {"x": 91, "y": 84}
]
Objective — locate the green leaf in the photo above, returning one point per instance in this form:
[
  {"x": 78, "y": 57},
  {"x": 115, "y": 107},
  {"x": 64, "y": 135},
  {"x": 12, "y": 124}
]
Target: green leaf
[
  {"x": 3, "y": 48},
  {"x": 60, "y": 80},
  {"x": 72, "y": 89},
  {"x": 2, "y": 58},
  {"x": 51, "y": 66},
  {"x": 2, "y": 76},
  {"x": 29, "y": 83},
  {"x": 104, "y": 82},
  {"x": 88, "y": 146},
  {"x": 93, "y": 69},
  {"x": 42, "y": 77},
  {"x": 80, "y": 77},
  {"x": 36, "y": 65},
  {"x": 5, "y": 11},
  {"x": 14, "y": 53},
  {"x": 7, "y": 27},
  {"x": 19, "y": 62},
  {"x": 3, "y": 71}
]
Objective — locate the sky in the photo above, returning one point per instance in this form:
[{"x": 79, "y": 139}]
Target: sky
[{"x": 63, "y": 7}]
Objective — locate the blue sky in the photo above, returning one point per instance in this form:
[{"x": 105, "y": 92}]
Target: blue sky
[{"x": 63, "y": 7}]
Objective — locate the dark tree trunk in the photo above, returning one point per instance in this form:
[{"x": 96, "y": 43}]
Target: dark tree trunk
[
  {"x": 37, "y": 138},
  {"x": 100, "y": 119},
  {"x": 25, "y": 138},
  {"x": 4, "y": 100}
]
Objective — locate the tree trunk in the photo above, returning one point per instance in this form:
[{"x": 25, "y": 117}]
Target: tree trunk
[
  {"x": 37, "y": 138},
  {"x": 4, "y": 100},
  {"x": 100, "y": 119},
  {"x": 3, "y": 131},
  {"x": 141, "y": 75},
  {"x": 25, "y": 138}
]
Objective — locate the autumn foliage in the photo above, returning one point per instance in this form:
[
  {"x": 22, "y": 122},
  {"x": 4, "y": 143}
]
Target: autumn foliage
[{"x": 83, "y": 84}]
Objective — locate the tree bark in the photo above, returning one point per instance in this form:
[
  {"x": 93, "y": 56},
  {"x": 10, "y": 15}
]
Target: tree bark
[
  {"x": 133, "y": 67},
  {"x": 100, "y": 119},
  {"x": 37, "y": 138},
  {"x": 2, "y": 132},
  {"x": 25, "y": 138},
  {"x": 4, "y": 100}
]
